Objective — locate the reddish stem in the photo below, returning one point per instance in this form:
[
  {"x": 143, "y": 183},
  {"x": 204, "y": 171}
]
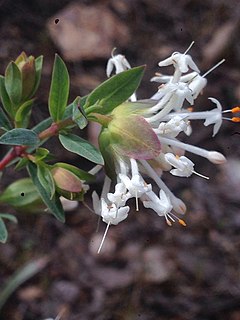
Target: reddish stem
[{"x": 17, "y": 151}]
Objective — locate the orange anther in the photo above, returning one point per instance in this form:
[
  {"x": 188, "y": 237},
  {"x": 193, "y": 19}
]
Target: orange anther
[
  {"x": 182, "y": 222},
  {"x": 235, "y": 109},
  {"x": 235, "y": 119}
]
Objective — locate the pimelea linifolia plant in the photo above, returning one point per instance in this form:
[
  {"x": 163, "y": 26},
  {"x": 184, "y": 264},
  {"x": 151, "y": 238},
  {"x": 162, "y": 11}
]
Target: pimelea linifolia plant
[{"x": 138, "y": 141}]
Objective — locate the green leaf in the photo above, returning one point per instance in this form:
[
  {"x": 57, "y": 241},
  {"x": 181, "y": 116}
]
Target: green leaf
[
  {"x": 81, "y": 174},
  {"x": 4, "y": 122},
  {"x": 20, "y": 136},
  {"x": 21, "y": 164},
  {"x": 9, "y": 217},
  {"x": 78, "y": 114},
  {"x": 20, "y": 276},
  {"x": 114, "y": 91},
  {"x": 59, "y": 90},
  {"x": 13, "y": 83},
  {"x": 23, "y": 114},
  {"x": 53, "y": 204},
  {"x": 3, "y": 231},
  {"x": 77, "y": 145},
  {"x": 20, "y": 194},
  {"x": 38, "y": 67},
  {"x": 7, "y": 104},
  {"x": 46, "y": 179}
]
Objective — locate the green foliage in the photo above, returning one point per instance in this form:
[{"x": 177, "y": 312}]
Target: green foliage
[
  {"x": 59, "y": 90},
  {"x": 20, "y": 136},
  {"x": 114, "y": 91},
  {"x": 3, "y": 229},
  {"x": 47, "y": 180},
  {"x": 82, "y": 147},
  {"x": 22, "y": 195},
  {"x": 13, "y": 83},
  {"x": 78, "y": 114},
  {"x": 52, "y": 202},
  {"x": 4, "y": 121}
]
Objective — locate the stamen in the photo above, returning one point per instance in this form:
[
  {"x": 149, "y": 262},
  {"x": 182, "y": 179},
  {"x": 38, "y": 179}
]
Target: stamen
[
  {"x": 213, "y": 68},
  {"x": 113, "y": 50},
  {"x": 137, "y": 207},
  {"x": 192, "y": 43},
  {"x": 200, "y": 175},
  {"x": 180, "y": 221},
  {"x": 168, "y": 221},
  {"x": 104, "y": 236}
]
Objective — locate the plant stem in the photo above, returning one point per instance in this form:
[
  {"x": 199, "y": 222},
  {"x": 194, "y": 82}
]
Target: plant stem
[{"x": 19, "y": 151}]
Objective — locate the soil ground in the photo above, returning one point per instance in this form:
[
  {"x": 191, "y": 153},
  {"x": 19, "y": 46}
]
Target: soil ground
[{"x": 148, "y": 270}]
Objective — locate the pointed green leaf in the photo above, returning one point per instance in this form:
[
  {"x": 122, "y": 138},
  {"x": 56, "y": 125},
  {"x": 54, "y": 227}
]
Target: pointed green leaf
[
  {"x": 20, "y": 193},
  {"x": 7, "y": 104},
  {"x": 20, "y": 137},
  {"x": 4, "y": 122},
  {"x": 38, "y": 67},
  {"x": 114, "y": 91},
  {"x": 9, "y": 217},
  {"x": 46, "y": 179},
  {"x": 59, "y": 90},
  {"x": 53, "y": 204},
  {"x": 3, "y": 231},
  {"x": 13, "y": 83},
  {"x": 23, "y": 114},
  {"x": 81, "y": 147}
]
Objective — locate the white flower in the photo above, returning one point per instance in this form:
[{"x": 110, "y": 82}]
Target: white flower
[
  {"x": 197, "y": 84},
  {"x": 119, "y": 62},
  {"x": 214, "y": 116},
  {"x": 136, "y": 185},
  {"x": 184, "y": 166},
  {"x": 173, "y": 127},
  {"x": 111, "y": 214},
  {"x": 162, "y": 205},
  {"x": 120, "y": 196},
  {"x": 180, "y": 61}
]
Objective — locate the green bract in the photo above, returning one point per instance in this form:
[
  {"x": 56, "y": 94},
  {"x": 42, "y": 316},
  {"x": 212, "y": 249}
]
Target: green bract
[{"x": 128, "y": 135}]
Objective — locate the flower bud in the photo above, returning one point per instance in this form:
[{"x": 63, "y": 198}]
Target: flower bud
[
  {"x": 67, "y": 184},
  {"x": 216, "y": 157},
  {"x": 26, "y": 65}
]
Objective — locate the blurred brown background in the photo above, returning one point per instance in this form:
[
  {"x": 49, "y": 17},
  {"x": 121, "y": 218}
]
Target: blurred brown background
[{"x": 146, "y": 270}]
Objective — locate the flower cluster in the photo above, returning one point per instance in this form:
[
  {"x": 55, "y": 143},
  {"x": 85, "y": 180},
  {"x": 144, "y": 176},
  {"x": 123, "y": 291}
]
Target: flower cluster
[{"x": 141, "y": 141}]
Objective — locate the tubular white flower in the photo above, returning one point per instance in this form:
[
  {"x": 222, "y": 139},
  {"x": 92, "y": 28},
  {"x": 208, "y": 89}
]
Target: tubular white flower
[
  {"x": 184, "y": 166},
  {"x": 136, "y": 185},
  {"x": 111, "y": 214},
  {"x": 119, "y": 62},
  {"x": 173, "y": 127},
  {"x": 181, "y": 61},
  {"x": 214, "y": 117},
  {"x": 162, "y": 205},
  {"x": 120, "y": 196}
]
